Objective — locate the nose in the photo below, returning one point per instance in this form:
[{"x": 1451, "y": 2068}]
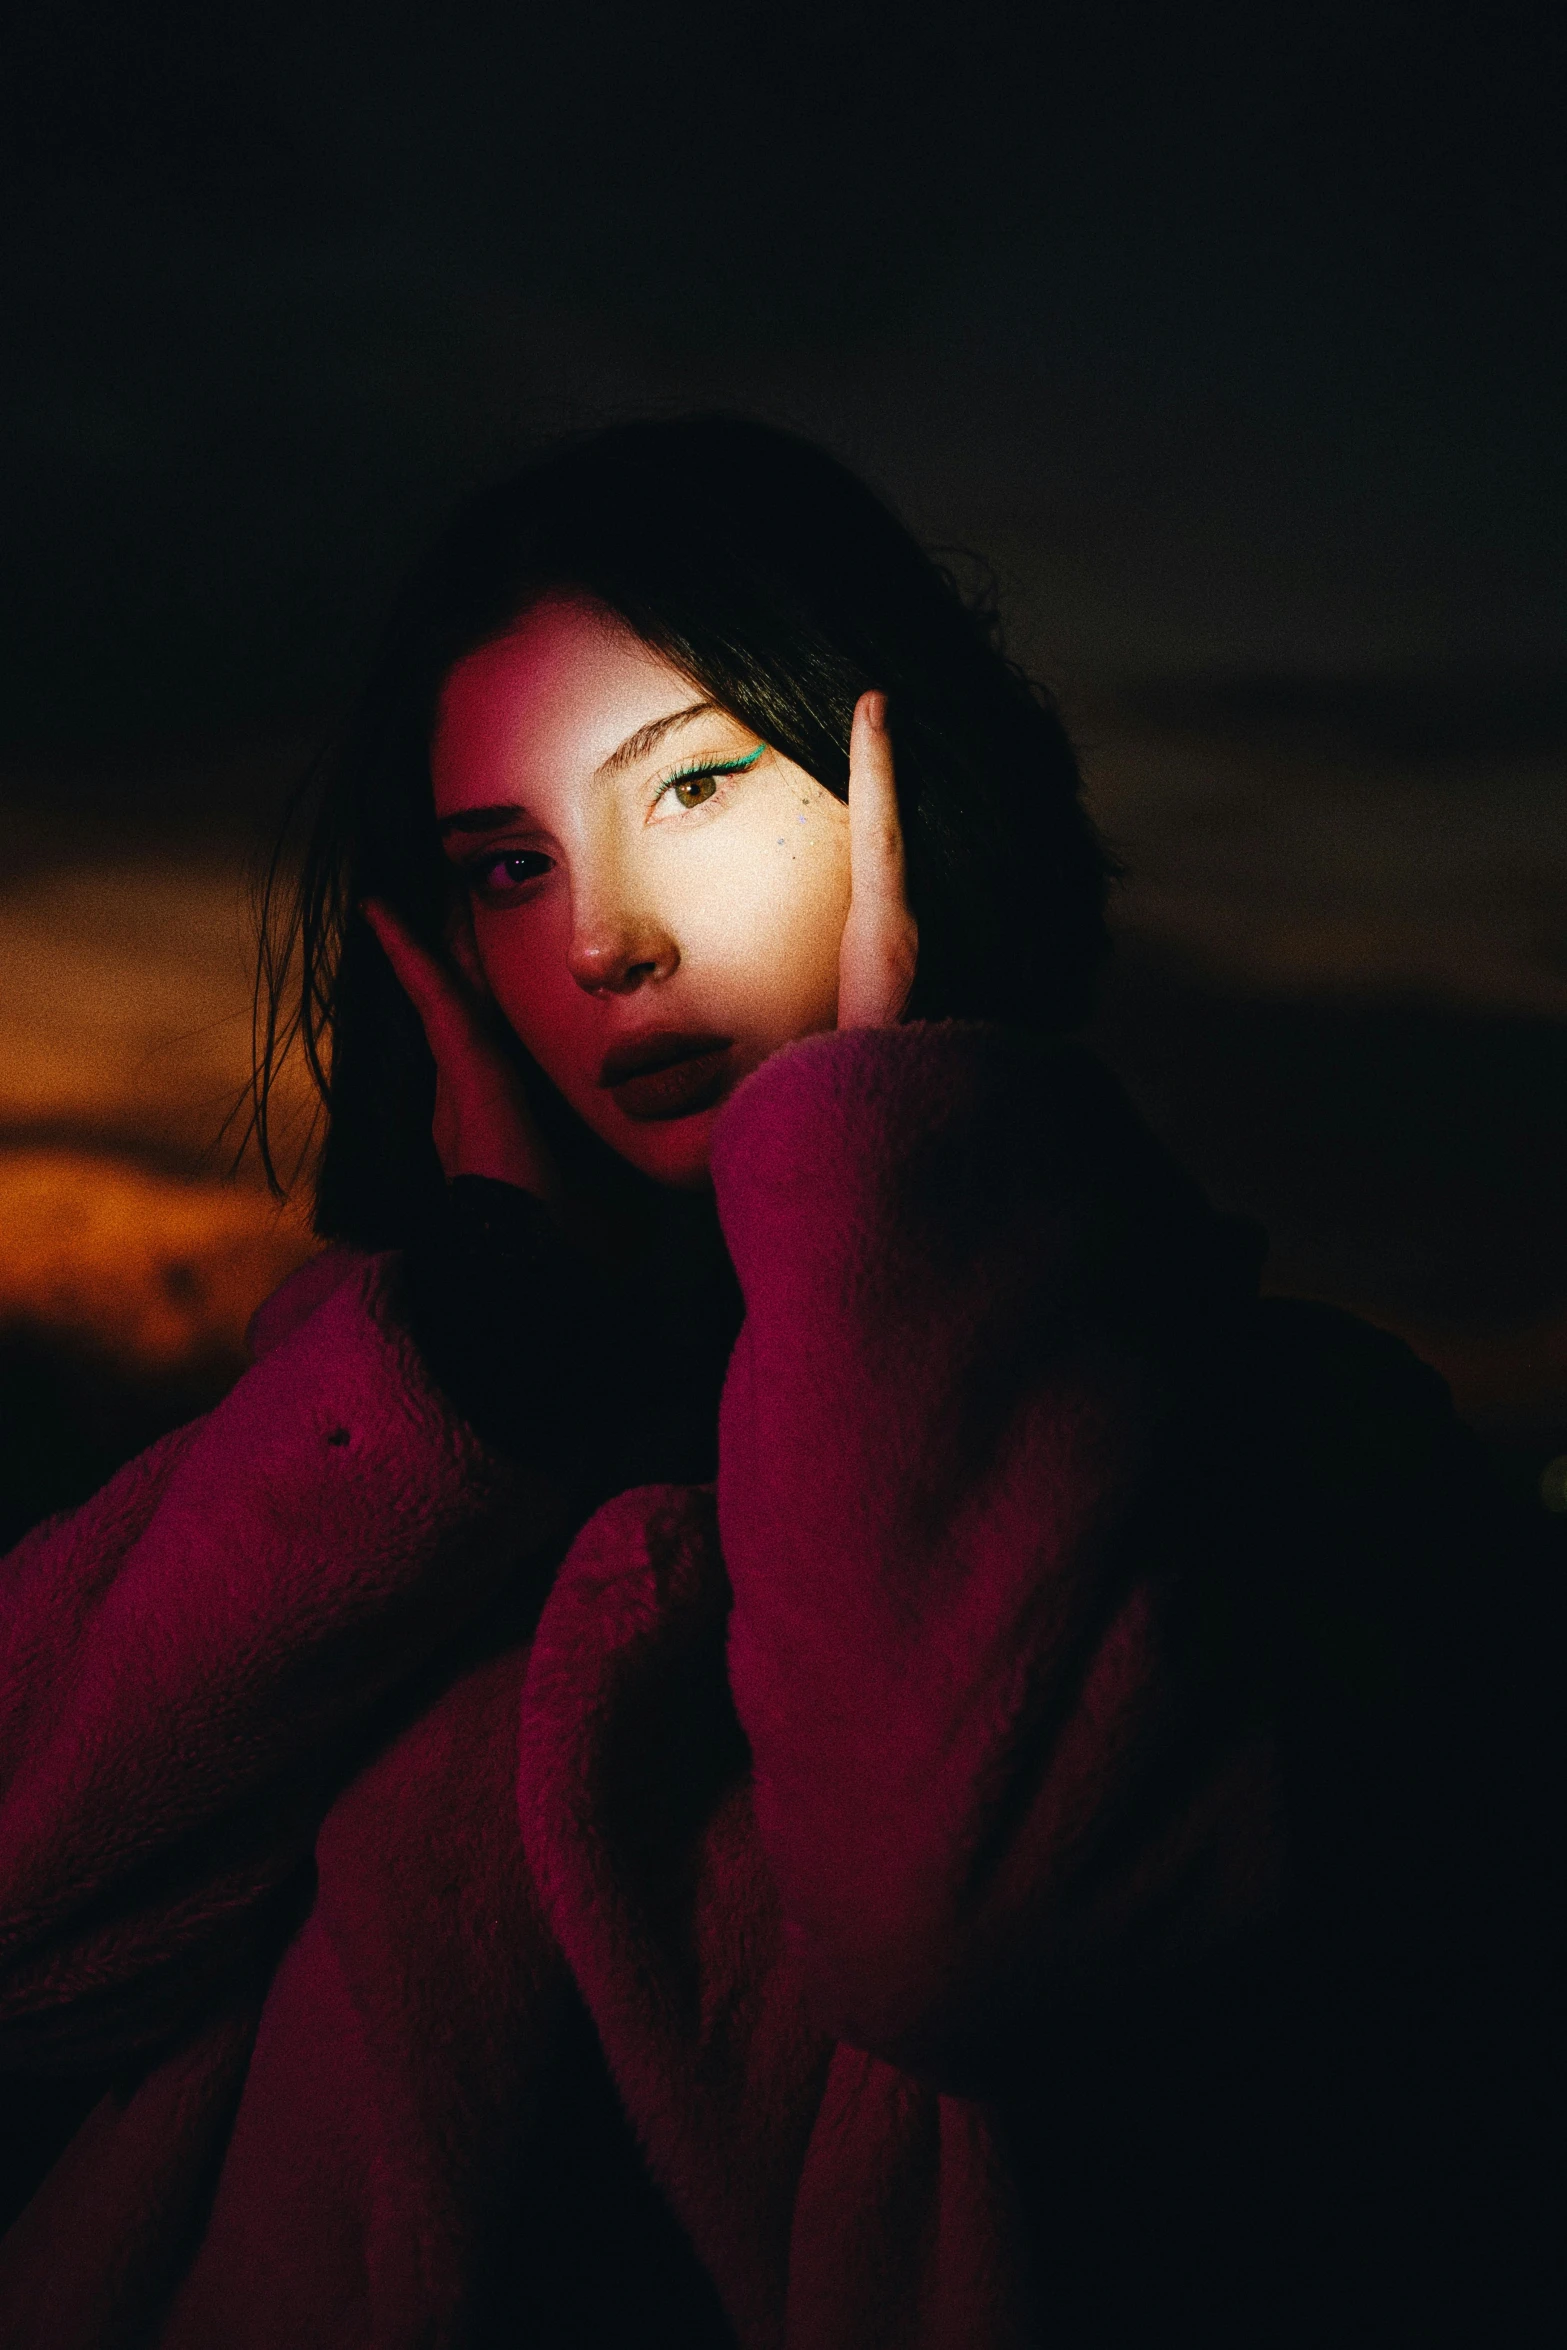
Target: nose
[{"x": 614, "y": 952}]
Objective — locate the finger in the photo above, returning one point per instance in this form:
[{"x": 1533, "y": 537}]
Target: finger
[
  {"x": 431, "y": 988},
  {"x": 875, "y": 832},
  {"x": 463, "y": 948},
  {"x": 880, "y": 949}
]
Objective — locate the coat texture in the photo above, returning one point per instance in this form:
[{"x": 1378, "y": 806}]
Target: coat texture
[{"x": 994, "y": 1838}]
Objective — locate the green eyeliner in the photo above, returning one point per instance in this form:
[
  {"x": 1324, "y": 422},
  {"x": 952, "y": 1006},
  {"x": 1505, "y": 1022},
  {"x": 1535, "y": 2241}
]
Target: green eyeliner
[{"x": 716, "y": 766}]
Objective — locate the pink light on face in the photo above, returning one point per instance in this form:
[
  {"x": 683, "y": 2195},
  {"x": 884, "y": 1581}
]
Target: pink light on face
[{"x": 657, "y": 899}]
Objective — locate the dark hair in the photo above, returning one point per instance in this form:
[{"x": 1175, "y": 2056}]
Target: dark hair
[{"x": 773, "y": 578}]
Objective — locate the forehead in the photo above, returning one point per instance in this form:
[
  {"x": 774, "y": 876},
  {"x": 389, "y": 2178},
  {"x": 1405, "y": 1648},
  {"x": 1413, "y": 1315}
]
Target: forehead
[{"x": 535, "y": 713}]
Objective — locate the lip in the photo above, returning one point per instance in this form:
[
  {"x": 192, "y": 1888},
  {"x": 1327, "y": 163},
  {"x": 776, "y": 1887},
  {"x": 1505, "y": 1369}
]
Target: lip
[{"x": 670, "y": 1073}]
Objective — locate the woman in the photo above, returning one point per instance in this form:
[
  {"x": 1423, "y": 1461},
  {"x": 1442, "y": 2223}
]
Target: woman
[{"x": 968, "y": 1843}]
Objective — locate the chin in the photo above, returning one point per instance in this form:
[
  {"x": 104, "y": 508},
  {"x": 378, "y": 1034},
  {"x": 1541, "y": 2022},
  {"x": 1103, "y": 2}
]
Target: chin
[{"x": 673, "y": 1153}]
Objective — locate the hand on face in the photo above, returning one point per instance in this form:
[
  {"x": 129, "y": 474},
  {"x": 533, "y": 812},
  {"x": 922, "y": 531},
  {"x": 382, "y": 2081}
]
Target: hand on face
[
  {"x": 627, "y": 907},
  {"x": 482, "y": 1123},
  {"x": 880, "y": 947}
]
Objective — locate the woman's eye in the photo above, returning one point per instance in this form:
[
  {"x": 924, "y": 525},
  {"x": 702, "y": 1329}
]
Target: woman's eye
[
  {"x": 495, "y": 880},
  {"x": 695, "y": 786}
]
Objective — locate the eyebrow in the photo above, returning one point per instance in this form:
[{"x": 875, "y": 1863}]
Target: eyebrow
[
  {"x": 636, "y": 746},
  {"x": 647, "y": 738}
]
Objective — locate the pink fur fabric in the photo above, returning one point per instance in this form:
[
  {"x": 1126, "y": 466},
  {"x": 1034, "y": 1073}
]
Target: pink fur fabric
[{"x": 816, "y": 1792}]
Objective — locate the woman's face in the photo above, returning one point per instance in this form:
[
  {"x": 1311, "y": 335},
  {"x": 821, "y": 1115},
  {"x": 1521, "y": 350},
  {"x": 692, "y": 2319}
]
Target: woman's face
[{"x": 657, "y": 897}]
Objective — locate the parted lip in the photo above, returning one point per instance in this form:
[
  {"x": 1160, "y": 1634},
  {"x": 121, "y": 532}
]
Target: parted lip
[{"x": 661, "y": 1048}]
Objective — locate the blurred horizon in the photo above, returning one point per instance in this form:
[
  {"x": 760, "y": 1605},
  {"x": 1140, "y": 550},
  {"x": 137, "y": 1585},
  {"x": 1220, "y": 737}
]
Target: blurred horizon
[
  {"x": 1339, "y": 994},
  {"x": 1345, "y": 914}
]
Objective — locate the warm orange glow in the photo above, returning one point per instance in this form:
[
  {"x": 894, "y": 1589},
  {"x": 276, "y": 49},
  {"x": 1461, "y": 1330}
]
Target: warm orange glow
[
  {"x": 125, "y": 1032},
  {"x": 125, "y": 1001},
  {"x": 156, "y": 1273}
]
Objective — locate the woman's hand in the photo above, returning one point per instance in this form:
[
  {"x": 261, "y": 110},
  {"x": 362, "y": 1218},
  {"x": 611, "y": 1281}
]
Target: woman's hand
[
  {"x": 880, "y": 949},
  {"x": 482, "y": 1123}
]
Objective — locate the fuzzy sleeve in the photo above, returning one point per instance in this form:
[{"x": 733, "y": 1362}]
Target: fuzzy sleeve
[
  {"x": 190, "y": 1662},
  {"x": 982, "y": 1313}
]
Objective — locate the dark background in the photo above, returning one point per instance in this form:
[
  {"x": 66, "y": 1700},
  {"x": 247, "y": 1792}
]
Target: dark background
[
  {"x": 1246, "y": 324},
  {"x": 1233, "y": 337}
]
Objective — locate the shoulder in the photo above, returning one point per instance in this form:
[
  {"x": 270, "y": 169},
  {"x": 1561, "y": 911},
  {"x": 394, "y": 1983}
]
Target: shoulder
[
  {"x": 1356, "y": 1394},
  {"x": 1403, "y": 1569},
  {"x": 296, "y": 1299},
  {"x": 1347, "y": 1447}
]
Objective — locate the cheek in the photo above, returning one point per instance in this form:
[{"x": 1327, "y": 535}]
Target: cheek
[
  {"x": 771, "y": 916},
  {"x": 523, "y": 955}
]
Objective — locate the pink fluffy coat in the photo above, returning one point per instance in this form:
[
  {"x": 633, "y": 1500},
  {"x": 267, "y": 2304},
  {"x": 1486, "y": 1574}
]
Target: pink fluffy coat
[{"x": 811, "y": 1789}]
